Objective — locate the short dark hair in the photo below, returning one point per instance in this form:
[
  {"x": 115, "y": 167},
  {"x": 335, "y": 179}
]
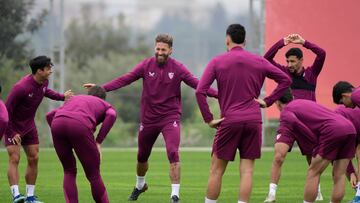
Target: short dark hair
[
  {"x": 287, "y": 97},
  {"x": 294, "y": 52},
  {"x": 237, "y": 33},
  {"x": 164, "y": 38},
  {"x": 340, "y": 88},
  {"x": 39, "y": 62},
  {"x": 97, "y": 91}
]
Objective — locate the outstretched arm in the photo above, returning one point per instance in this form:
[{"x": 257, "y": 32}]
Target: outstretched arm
[
  {"x": 125, "y": 79},
  {"x": 51, "y": 94},
  {"x": 193, "y": 82}
]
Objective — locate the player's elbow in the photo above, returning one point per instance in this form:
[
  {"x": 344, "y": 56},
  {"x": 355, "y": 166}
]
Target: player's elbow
[
  {"x": 199, "y": 93},
  {"x": 49, "y": 117},
  {"x": 287, "y": 81},
  {"x": 322, "y": 53},
  {"x": 111, "y": 114},
  {"x": 267, "y": 57}
]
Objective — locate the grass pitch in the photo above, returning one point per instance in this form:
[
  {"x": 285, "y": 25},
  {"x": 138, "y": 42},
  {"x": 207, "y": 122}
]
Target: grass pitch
[{"x": 118, "y": 172}]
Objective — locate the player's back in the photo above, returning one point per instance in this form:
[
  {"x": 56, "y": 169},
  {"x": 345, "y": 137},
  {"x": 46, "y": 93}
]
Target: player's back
[
  {"x": 89, "y": 110},
  {"x": 320, "y": 119},
  {"x": 352, "y": 115},
  {"x": 240, "y": 76}
]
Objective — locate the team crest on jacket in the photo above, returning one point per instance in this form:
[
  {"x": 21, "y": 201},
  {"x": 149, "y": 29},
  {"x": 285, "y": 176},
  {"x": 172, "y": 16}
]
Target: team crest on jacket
[
  {"x": 171, "y": 75},
  {"x": 151, "y": 74},
  {"x": 175, "y": 124},
  {"x": 278, "y": 136}
]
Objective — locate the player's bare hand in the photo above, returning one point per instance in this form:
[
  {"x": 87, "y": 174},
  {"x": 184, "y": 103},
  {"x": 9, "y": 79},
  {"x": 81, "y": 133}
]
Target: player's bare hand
[
  {"x": 215, "y": 123},
  {"x": 261, "y": 102},
  {"x": 68, "y": 94},
  {"x": 16, "y": 140},
  {"x": 297, "y": 39},
  {"x": 99, "y": 149},
  {"x": 353, "y": 180},
  {"x": 88, "y": 85},
  {"x": 287, "y": 40}
]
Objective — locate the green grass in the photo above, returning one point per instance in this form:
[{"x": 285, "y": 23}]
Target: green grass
[{"x": 118, "y": 172}]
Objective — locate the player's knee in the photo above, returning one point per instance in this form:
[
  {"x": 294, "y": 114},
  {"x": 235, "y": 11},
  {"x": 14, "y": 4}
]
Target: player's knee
[
  {"x": 279, "y": 159},
  {"x": 246, "y": 171},
  {"x": 338, "y": 176},
  {"x": 93, "y": 175},
  {"x": 142, "y": 157},
  {"x": 173, "y": 156},
  {"x": 14, "y": 158},
  {"x": 33, "y": 159},
  {"x": 314, "y": 171},
  {"x": 216, "y": 170},
  {"x": 70, "y": 171}
]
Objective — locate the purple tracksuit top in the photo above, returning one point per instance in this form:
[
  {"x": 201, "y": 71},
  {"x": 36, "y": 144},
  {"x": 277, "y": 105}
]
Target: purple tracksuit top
[
  {"x": 303, "y": 84},
  {"x": 306, "y": 122},
  {"x": 90, "y": 111},
  {"x": 161, "y": 95},
  {"x": 23, "y": 102},
  {"x": 239, "y": 75}
]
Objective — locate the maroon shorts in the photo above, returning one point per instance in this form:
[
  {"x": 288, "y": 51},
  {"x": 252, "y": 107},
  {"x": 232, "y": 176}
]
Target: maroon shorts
[
  {"x": 243, "y": 136},
  {"x": 148, "y": 135},
  {"x": 341, "y": 147},
  {"x": 306, "y": 149},
  {"x": 30, "y": 138},
  {"x": 284, "y": 139}
]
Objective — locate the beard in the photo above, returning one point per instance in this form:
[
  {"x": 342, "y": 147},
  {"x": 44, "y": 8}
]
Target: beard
[{"x": 161, "y": 59}]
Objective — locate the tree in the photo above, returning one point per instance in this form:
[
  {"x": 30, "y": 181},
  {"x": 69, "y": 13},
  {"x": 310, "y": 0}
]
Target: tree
[
  {"x": 14, "y": 50},
  {"x": 90, "y": 37},
  {"x": 14, "y": 22},
  {"x": 101, "y": 51}
]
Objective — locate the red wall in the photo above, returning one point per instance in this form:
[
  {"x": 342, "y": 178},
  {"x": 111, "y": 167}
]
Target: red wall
[{"x": 334, "y": 25}]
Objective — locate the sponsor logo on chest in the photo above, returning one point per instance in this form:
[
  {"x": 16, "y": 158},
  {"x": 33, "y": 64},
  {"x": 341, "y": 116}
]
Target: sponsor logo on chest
[
  {"x": 151, "y": 74},
  {"x": 171, "y": 75}
]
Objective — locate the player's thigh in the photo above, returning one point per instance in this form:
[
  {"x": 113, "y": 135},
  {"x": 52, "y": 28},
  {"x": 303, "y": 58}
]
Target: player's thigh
[{"x": 171, "y": 133}]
